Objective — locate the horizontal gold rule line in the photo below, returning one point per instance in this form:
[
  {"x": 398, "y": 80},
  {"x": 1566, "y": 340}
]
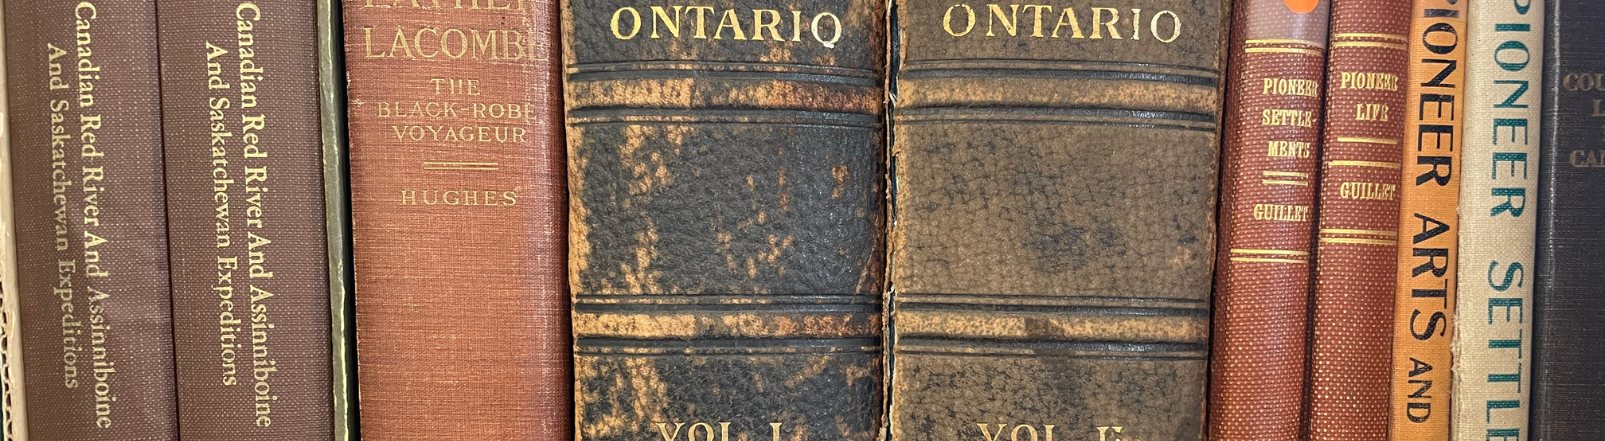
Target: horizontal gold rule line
[
  {"x": 1369, "y": 44},
  {"x": 1395, "y": 37},
  {"x": 1269, "y": 260},
  {"x": 1283, "y": 173},
  {"x": 1355, "y": 231},
  {"x": 1275, "y": 182},
  {"x": 1283, "y": 41},
  {"x": 463, "y": 168},
  {"x": 1284, "y": 50},
  {"x": 1365, "y": 140},
  {"x": 1254, "y": 251},
  {"x": 474, "y": 164},
  {"x": 1375, "y": 164},
  {"x": 1350, "y": 240}
]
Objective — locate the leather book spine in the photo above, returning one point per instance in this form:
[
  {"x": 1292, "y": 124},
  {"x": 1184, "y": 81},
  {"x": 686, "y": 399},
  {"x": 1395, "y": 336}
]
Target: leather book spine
[
  {"x": 240, "y": 123},
  {"x": 1568, "y": 389},
  {"x": 726, "y": 216},
  {"x": 1270, "y": 156},
  {"x": 12, "y": 406},
  {"x": 1356, "y": 258},
  {"x": 1429, "y": 199},
  {"x": 1053, "y": 243},
  {"x": 337, "y": 217},
  {"x": 1498, "y": 221},
  {"x": 457, "y": 211},
  {"x": 97, "y": 335}
]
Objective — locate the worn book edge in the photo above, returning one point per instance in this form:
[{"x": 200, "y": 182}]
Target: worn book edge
[
  {"x": 11, "y": 384},
  {"x": 331, "y": 100}
]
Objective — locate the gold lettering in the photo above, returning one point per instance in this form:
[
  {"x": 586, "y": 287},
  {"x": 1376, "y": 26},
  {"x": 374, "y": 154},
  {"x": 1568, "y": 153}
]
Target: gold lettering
[
  {"x": 729, "y": 21},
  {"x": 1098, "y": 25},
  {"x": 1036, "y": 18},
  {"x": 1068, "y": 18},
  {"x": 635, "y": 23},
  {"x": 1282, "y": 213},
  {"x": 759, "y": 24},
  {"x": 1011, "y": 24}
]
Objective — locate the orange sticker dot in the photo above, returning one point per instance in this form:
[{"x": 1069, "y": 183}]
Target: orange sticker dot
[{"x": 1302, "y": 6}]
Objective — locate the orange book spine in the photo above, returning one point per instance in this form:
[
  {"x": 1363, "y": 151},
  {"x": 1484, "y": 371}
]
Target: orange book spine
[{"x": 1428, "y": 223}]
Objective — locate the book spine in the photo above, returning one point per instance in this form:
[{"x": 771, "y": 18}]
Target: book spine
[
  {"x": 337, "y": 217},
  {"x": 1053, "y": 243},
  {"x": 1568, "y": 391},
  {"x": 1498, "y": 220},
  {"x": 726, "y": 209},
  {"x": 457, "y": 207},
  {"x": 1270, "y": 157},
  {"x": 1429, "y": 197},
  {"x": 1357, "y": 255},
  {"x": 240, "y": 123},
  {"x": 91, "y": 219},
  {"x": 15, "y": 427}
]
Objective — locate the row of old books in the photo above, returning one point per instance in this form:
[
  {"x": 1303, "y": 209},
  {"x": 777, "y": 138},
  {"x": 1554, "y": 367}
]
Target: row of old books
[
  {"x": 1404, "y": 248},
  {"x": 777, "y": 220}
]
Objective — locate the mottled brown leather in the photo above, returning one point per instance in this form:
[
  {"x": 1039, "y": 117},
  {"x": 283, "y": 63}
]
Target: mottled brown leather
[
  {"x": 1357, "y": 244},
  {"x": 245, "y": 199},
  {"x": 122, "y": 282},
  {"x": 1054, "y": 218},
  {"x": 726, "y": 210},
  {"x": 458, "y": 241},
  {"x": 1262, "y": 281}
]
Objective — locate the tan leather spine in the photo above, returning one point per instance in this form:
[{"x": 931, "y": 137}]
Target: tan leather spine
[
  {"x": 1429, "y": 197},
  {"x": 1262, "y": 282},
  {"x": 457, "y": 205},
  {"x": 1357, "y": 254},
  {"x": 1499, "y": 210}
]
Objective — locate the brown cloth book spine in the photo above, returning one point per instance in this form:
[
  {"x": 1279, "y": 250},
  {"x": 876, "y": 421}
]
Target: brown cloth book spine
[
  {"x": 458, "y": 228},
  {"x": 85, "y": 104},
  {"x": 1357, "y": 255},
  {"x": 245, "y": 218},
  {"x": 1053, "y": 236},
  {"x": 1429, "y": 225},
  {"x": 726, "y": 188},
  {"x": 1271, "y": 154}
]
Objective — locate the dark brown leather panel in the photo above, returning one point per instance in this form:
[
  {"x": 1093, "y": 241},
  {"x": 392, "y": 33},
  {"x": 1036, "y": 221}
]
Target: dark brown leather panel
[{"x": 1053, "y": 236}]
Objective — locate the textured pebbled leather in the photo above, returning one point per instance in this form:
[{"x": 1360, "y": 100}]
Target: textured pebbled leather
[
  {"x": 726, "y": 216},
  {"x": 1053, "y": 239},
  {"x": 1357, "y": 255},
  {"x": 1262, "y": 284},
  {"x": 1568, "y": 392}
]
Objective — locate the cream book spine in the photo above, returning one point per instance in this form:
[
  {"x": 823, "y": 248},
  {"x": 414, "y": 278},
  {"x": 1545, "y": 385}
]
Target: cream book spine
[{"x": 1498, "y": 218}]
